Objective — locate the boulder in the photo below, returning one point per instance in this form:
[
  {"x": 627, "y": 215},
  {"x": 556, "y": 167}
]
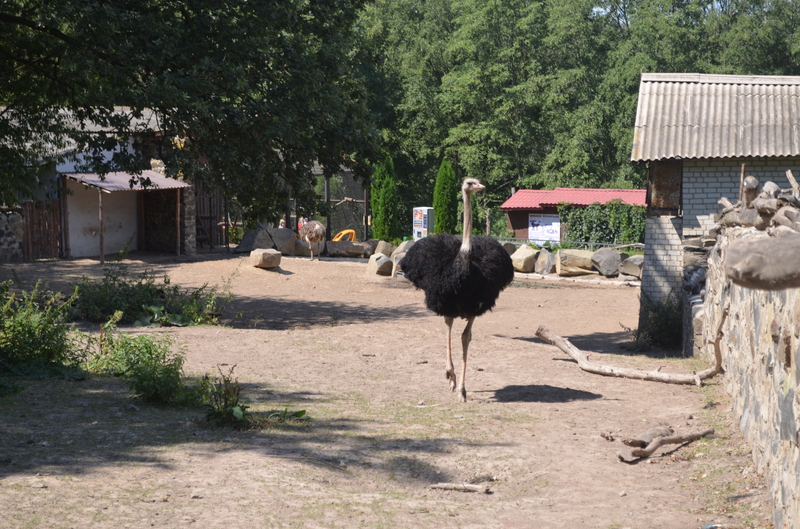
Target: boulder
[
  {"x": 265, "y": 258},
  {"x": 545, "y": 262},
  {"x": 403, "y": 248},
  {"x": 510, "y": 247},
  {"x": 607, "y": 261},
  {"x": 248, "y": 242},
  {"x": 574, "y": 262},
  {"x": 373, "y": 243},
  {"x": 524, "y": 259},
  {"x": 386, "y": 248},
  {"x": 396, "y": 266},
  {"x": 301, "y": 248},
  {"x": 379, "y": 264},
  {"x": 347, "y": 249},
  {"x": 632, "y": 266},
  {"x": 283, "y": 240}
]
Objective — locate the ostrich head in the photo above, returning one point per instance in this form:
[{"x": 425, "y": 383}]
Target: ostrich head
[{"x": 471, "y": 185}]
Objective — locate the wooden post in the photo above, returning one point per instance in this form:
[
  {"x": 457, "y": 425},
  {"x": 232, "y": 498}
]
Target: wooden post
[
  {"x": 328, "y": 208},
  {"x": 178, "y": 222},
  {"x": 65, "y": 217},
  {"x": 741, "y": 184},
  {"x": 366, "y": 213},
  {"x": 102, "y": 241}
]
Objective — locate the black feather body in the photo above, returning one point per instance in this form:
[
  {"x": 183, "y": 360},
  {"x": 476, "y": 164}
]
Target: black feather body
[{"x": 458, "y": 284}]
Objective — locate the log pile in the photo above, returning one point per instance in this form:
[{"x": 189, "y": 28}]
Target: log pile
[{"x": 766, "y": 263}]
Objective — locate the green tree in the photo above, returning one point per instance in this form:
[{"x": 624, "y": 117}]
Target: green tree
[
  {"x": 445, "y": 199},
  {"x": 246, "y": 94},
  {"x": 385, "y": 217}
]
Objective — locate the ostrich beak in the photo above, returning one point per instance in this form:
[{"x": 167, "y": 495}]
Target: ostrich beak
[{"x": 478, "y": 187}]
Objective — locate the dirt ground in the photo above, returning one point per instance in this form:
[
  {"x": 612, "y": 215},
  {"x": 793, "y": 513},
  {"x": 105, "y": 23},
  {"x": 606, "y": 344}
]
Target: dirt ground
[{"x": 365, "y": 360}]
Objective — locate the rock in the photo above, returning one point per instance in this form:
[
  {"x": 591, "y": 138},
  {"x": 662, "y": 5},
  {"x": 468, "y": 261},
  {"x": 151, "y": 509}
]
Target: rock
[
  {"x": 265, "y": 258},
  {"x": 373, "y": 243},
  {"x": 385, "y": 248},
  {"x": 379, "y": 264},
  {"x": 301, "y": 248},
  {"x": 574, "y": 262},
  {"x": 626, "y": 277},
  {"x": 632, "y": 266},
  {"x": 347, "y": 249},
  {"x": 247, "y": 244},
  {"x": 607, "y": 261},
  {"x": 545, "y": 262},
  {"x": 524, "y": 259},
  {"x": 283, "y": 239},
  {"x": 396, "y": 266},
  {"x": 403, "y": 248},
  {"x": 510, "y": 247}
]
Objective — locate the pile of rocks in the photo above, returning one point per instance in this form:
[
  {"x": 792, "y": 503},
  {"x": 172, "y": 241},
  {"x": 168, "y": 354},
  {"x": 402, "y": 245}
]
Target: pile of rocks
[
  {"x": 566, "y": 262},
  {"x": 386, "y": 259}
]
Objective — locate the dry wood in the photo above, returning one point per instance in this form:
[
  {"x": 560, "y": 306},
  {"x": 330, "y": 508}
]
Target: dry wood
[
  {"x": 741, "y": 184},
  {"x": 461, "y": 487},
  {"x": 660, "y": 441},
  {"x": 793, "y": 183},
  {"x": 610, "y": 371},
  {"x": 647, "y": 437},
  {"x": 725, "y": 203}
]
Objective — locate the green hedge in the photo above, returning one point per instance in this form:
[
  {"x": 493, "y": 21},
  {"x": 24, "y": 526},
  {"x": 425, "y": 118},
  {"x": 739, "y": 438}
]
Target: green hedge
[{"x": 610, "y": 223}]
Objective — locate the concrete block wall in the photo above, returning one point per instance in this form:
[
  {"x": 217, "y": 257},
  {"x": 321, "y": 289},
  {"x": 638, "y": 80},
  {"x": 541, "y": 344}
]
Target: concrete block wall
[
  {"x": 663, "y": 257},
  {"x": 762, "y": 374},
  {"x": 12, "y": 232},
  {"x": 705, "y": 181}
]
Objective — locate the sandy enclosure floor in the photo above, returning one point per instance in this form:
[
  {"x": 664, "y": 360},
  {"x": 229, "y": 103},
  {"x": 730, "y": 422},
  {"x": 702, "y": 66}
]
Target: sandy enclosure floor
[{"x": 365, "y": 360}]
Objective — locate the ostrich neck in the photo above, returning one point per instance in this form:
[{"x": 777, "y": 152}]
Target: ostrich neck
[{"x": 466, "y": 238}]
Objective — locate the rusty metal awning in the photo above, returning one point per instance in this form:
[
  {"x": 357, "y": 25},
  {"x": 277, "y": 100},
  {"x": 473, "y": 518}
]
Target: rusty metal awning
[{"x": 121, "y": 181}]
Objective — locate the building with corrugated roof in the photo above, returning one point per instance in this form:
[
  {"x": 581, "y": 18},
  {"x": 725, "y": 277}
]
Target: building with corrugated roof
[
  {"x": 529, "y": 209},
  {"x": 695, "y": 132}
]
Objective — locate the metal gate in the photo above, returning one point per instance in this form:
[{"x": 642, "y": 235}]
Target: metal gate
[
  {"x": 42, "y": 235},
  {"x": 211, "y": 224}
]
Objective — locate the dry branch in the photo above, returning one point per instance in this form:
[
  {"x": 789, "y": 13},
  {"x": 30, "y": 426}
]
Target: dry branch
[
  {"x": 660, "y": 441},
  {"x": 647, "y": 437},
  {"x": 610, "y": 371},
  {"x": 461, "y": 487}
]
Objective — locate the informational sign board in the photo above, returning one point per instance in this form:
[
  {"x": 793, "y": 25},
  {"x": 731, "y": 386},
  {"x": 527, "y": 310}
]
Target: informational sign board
[{"x": 542, "y": 228}]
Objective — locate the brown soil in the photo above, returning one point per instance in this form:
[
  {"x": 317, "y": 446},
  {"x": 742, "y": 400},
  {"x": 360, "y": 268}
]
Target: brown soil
[{"x": 365, "y": 360}]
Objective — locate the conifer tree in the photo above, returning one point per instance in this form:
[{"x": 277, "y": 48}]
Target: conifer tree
[
  {"x": 445, "y": 199},
  {"x": 385, "y": 217}
]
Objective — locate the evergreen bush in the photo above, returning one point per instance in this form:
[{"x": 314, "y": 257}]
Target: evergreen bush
[
  {"x": 385, "y": 215},
  {"x": 445, "y": 199}
]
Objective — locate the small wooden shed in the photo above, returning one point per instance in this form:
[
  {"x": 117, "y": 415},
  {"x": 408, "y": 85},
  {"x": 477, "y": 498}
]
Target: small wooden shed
[{"x": 103, "y": 215}]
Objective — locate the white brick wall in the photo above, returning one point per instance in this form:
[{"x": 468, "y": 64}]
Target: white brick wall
[
  {"x": 705, "y": 181},
  {"x": 663, "y": 257}
]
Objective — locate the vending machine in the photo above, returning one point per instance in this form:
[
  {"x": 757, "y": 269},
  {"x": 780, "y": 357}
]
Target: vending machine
[{"x": 423, "y": 222}]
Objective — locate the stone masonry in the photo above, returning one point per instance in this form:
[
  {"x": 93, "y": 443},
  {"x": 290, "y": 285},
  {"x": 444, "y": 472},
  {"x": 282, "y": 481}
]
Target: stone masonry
[{"x": 761, "y": 337}]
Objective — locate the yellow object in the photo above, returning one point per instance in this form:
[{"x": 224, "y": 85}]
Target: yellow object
[{"x": 347, "y": 235}]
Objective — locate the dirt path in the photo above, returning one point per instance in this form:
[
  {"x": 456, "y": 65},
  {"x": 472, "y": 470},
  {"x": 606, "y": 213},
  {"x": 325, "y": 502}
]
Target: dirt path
[{"x": 365, "y": 360}]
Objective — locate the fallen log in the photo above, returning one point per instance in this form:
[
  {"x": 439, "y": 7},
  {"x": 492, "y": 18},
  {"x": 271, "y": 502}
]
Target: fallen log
[
  {"x": 461, "y": 487},
  {"x": 611, "y": 371},
  {"x": 647, "y": 437},
  {"x": 660, "y": 441}
]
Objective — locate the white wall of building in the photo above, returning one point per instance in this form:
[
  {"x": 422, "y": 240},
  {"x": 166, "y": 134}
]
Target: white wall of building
[{"x": 119, "y": 219}]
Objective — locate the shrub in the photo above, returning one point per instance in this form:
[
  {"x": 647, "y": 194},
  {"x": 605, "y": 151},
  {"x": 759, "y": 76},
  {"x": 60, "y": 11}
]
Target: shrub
[
  {"x": 610, "y": 223},
  {"x": 385, "y": 222},
  {"x": 445, "y": 199},
  {"x": 661, "y": 323},
  {"x": 34, "y": 340},
  {"x": 220, "y": 398},
  {"x": 153, "y": 372}
]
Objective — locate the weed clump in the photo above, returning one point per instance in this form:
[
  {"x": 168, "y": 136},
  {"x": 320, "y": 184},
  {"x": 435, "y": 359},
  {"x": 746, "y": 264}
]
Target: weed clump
[{"x": 661, "y": 324}]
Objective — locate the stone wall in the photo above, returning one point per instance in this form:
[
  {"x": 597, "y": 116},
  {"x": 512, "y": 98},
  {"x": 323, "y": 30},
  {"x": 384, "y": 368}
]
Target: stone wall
[
  {"x": 11, "y": 237},
  {"x": 760, "y": 350},
  {"x": 705, "y": 181}
]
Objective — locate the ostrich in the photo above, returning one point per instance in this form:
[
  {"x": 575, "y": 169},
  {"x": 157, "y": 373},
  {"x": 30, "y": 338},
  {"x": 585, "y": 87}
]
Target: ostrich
[
  {"x": 461, "y": 279},
  {"x": 312, "y": 232}
]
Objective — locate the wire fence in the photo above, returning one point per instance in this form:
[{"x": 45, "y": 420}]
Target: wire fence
[{"x": 588, "y": 245}]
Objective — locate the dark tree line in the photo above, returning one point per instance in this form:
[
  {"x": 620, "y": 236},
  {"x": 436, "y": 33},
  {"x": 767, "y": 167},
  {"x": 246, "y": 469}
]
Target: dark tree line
[{"x": 250, "y": 93}]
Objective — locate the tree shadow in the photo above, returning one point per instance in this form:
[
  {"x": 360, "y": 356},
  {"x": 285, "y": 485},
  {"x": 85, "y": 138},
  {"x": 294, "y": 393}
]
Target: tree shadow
[
  {"x": 605, "y": 343},
  {"x": 542, "y": 393}
]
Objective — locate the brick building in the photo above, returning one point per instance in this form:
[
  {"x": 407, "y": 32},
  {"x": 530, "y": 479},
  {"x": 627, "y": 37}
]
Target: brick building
[{"x": 694, "y": 132}]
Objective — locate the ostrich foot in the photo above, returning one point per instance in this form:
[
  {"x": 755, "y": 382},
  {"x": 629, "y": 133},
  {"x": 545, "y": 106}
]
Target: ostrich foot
[
  {"x": 462, "y": 395},
  {"x": 451, "y": 376}
]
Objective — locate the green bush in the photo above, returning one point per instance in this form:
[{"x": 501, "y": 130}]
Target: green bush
[
  {"x": 34, "y": 338},
  {"x": 141, "y": 299},
  {"x": 446, "y": 199},
  {"x": 220, "y": 397},
  {"x": 153, "y": 372},
  {"x": 385, "y": 215},
  {"x": 610, "y": 223}
]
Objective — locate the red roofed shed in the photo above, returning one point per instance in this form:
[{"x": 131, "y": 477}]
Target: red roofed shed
[{"x": 527, "y": 206}]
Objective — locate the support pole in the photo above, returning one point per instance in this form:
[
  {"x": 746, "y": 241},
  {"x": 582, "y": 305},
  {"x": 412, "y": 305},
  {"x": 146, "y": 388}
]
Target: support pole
[
  {"x": 102, "y": 228},
  {"x": 178, "y": 222},
  {"x": 328, "y": 208}
]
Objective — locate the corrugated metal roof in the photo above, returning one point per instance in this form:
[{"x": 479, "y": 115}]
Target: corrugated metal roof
[
  {"x": 532, "y": 199},
  {"x": 716, "y": 116},
  {"x": 121, "y": 181}
]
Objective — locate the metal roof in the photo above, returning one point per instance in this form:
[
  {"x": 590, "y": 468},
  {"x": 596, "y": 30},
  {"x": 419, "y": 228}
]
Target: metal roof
[
  {"x": 533, "y": 199},
  {"x": 716, "y": 116},
  {"x": 120, "y": 181}
]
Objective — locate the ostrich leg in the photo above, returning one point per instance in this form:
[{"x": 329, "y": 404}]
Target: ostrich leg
[
  {"x": 466, "y": 337},
  {"x": 450, "y": 372}
]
